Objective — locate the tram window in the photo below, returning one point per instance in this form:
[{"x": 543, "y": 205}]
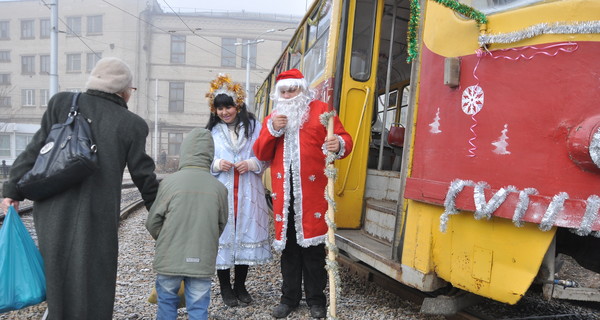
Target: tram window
[
  {"x": 295, "y": 53},
  {"x": 314, "y": 60},
  {"x": 281, "y": 66},
  {"x": 493, "y": 6},
  {"x": 319, "y": 23},
  {"x": 259, "y": 104},
  {"x": 316, "y": 54},
  {"x": 363, "y": 40},
  {"x": 403, "y": 105},
  {"x": 392, "y": 109}
]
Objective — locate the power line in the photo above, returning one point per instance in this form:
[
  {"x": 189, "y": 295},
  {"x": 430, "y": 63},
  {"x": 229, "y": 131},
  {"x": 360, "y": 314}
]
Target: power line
[
  {"x": 158, "y": 28},
  {"x": 71, "y": 30},
  {"x": 188, "y": 27}
]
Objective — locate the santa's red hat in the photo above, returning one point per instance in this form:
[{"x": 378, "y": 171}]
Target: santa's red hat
[{"x": 290, "y": 74}]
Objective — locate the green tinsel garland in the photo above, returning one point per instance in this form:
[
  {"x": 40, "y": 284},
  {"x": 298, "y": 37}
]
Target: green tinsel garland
[
  {"x": 413, "y": 23},
  {"x": 464, "y": 10},
  {"x": 415, "y": 12}
]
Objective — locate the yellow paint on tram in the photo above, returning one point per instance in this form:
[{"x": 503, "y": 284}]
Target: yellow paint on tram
[
  {"x": 450, "y": 35},
  {"x": 487, "y": 257}
]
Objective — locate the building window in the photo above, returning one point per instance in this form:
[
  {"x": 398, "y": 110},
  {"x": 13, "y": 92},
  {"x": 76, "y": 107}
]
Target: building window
[
  {"x": 94, "y": 25},
  {"x": 27, "y": 29},
  {"x": 5, "y": 102},
  {"x": 28, "y": 97},
  {"x": 74, "y": 26},
  {"x": 227, "y": 52},
  {"x": 44, "y": 97},
  {"x": 91, "y": 60},
  {"x": 74, "y": 62},
  {"x": 45, "y": 64},
  {"x": 28, "y": 64},
  {"x": 45, "y": 28},
  {"x": 4, "y": 30},
  {"x": 253, "y": 48},
  {"x": 4, "y": 56},
  {"x": 21, "y": 142},
  {"x": 5, "y": 145},
  {"x": 177, "y": 49},
  {"x": 175, "y": 140},
  {"x": 4, "y": 79},
  {"x": 176, "y": 95}
]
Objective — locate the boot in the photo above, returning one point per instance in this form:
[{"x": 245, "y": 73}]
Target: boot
[
  {"x": 226, "y": 292},
  {"x": 239, "y": 284}
]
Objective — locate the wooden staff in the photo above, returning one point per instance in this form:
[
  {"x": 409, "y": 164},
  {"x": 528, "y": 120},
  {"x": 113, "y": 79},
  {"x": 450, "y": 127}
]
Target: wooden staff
[{"x": 331, "y": 255}]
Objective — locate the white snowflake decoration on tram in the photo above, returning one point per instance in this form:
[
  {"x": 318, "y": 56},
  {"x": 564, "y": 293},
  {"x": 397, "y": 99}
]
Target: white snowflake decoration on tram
[{"x": 472, "y": 100}]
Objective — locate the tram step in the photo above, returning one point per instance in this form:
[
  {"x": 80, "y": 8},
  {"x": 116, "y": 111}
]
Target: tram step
[
  {"x": 380, "y": 219},
  {"x": 383, "y": 185}
]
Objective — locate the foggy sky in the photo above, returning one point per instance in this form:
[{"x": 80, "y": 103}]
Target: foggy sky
[{"x": 293, "y": 7}]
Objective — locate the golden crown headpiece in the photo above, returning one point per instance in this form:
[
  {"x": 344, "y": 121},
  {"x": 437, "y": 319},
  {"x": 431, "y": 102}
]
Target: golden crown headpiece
[{"x": 223, "y": 84}]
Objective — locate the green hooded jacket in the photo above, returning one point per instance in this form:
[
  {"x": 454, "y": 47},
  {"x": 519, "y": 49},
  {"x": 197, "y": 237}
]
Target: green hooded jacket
[{"x": 189, "y": 213}]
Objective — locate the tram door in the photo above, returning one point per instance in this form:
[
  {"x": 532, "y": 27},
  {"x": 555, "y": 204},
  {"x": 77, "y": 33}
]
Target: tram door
[{"x": 387, "y": 119}]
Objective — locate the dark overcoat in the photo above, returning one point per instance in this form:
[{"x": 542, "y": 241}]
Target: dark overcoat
[{"x": 77, "y": 229}]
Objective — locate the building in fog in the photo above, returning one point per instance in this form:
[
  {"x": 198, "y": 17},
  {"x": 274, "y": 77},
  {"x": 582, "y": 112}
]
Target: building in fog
[{"x": 173, "y": 53}]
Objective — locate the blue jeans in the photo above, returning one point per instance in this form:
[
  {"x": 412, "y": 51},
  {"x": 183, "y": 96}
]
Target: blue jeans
[{"x": 197, "y": 297}]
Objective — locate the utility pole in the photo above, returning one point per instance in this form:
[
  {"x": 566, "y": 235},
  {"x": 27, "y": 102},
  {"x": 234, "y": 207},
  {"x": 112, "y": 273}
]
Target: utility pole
[
  {"x": 248, "y": 44},
  {"x": 53, "y": 47},
  {"x": 156, "y": 122},
  {"x": 248, "y": 72}
]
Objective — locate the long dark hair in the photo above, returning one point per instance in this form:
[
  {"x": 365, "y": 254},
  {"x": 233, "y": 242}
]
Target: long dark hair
[{"x": 247, "y": 119}]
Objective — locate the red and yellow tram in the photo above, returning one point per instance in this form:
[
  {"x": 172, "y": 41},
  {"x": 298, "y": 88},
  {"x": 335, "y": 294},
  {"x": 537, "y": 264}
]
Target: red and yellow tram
[{"x": 476, "y": 162}]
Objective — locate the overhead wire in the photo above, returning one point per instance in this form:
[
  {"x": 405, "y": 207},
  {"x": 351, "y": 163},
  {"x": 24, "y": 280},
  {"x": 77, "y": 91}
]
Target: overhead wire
[
  {"x": 206, "y": 39},
  {"x": 71, "y": 31},
  {"x": 80, "y": 37},
  {"x": 162, "y": 30},
  {"x": 158, "y": 28}
]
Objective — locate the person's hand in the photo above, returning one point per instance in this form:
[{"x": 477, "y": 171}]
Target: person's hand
[
  {"x": 332, "y": 144},
  {"x": 7, "y": 202},
  {"x": 225, "y": 165},
  {"x": 279, "y": 121},
  {"x": 242, "y": 167}
]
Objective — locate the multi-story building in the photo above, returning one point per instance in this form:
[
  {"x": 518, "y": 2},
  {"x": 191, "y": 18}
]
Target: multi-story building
[{"x": 173, "y": 53}]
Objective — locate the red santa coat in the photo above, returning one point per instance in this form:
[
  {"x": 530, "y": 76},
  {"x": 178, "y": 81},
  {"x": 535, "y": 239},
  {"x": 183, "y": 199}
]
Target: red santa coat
[{"x": 303, "y": 152}]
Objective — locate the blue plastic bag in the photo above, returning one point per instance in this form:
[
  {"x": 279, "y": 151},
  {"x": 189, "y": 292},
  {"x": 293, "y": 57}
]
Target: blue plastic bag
[{"x": 22, "y": 279}]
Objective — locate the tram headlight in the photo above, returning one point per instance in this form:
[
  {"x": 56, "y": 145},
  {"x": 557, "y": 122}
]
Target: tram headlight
[{"x": 584, "y": 144}]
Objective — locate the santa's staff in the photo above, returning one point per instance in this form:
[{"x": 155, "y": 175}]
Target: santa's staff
[{"x": 332, "y": 250}]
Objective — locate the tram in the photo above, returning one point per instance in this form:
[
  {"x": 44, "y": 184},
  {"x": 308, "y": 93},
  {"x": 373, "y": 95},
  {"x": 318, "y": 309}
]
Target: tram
[{"x": 477, "y": 137}]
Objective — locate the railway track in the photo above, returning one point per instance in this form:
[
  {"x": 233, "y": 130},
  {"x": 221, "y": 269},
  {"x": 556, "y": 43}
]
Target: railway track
[{"x": 531, "y": 307}]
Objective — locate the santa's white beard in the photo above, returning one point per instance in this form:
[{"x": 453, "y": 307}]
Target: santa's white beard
[{"x": 295, "y": 109}]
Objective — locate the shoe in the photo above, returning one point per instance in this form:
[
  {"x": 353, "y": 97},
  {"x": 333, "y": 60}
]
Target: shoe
[
  {"x": 282, "y": 310},
  {"x": 242, "y": 294},
  {"x": 228, "y": 297},
  {"x": 317, "y": 311}
]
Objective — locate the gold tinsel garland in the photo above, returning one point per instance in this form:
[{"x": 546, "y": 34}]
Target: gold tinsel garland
[{"x": 223, "y": 84}]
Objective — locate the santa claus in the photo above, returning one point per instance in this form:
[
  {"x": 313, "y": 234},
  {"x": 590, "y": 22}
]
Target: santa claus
[{"x": 295, "y": 141}]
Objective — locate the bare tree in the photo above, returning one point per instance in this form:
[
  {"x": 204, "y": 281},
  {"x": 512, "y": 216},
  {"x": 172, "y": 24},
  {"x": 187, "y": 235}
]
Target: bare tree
[{"x": 5, "y": 102}]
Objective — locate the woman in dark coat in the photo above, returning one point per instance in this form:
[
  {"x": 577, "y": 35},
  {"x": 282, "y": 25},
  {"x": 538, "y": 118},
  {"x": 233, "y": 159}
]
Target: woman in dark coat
[{"x": 77, "y": 229}]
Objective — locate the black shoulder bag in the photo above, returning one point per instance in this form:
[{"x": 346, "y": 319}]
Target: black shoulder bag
[{"x": 67, "y": 158}]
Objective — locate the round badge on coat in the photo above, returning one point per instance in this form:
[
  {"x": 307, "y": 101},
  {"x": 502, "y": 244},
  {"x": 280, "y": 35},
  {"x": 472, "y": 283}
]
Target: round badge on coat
[{"x": 47, "y": 147}]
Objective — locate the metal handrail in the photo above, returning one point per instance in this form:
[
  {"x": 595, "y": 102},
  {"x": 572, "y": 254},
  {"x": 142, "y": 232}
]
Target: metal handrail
[{"x": 362, "y": 116}]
